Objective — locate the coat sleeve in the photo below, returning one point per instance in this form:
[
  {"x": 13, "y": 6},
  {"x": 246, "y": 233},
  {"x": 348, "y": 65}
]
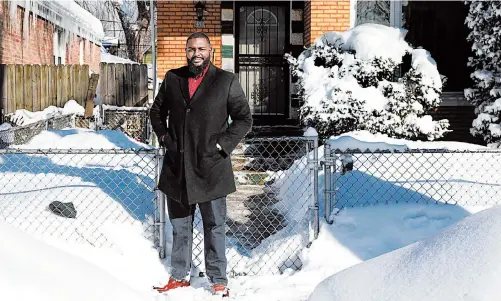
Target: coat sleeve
[
  {"x": 159, "y": 111},
  {"x": 241, "y": 117}
]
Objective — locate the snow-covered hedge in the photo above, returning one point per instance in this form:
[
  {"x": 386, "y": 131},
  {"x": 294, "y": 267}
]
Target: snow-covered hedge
[
  {"x": 484, "y": 20},
  {"x": 347, "y": 82}
]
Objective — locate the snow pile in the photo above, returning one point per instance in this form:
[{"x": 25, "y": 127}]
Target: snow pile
[
  {"x": 5, "y": 126},
  {"x": 364, "y": 140},
  {"x": 82, "y": 139},
  {"x": 346, "y": 79},
  {"x": 34, "y": 270},
  {"x": 24, "y": 117},
  {"x": 461, "y": 263},
  {"x": 483, "y": 19},
  {"x": 369, "y": 41}
]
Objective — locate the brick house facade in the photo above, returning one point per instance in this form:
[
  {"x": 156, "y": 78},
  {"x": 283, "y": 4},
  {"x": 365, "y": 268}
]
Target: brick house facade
[
  {"x": 44, "y": 43},
  {"x": 251, "y": 37}
]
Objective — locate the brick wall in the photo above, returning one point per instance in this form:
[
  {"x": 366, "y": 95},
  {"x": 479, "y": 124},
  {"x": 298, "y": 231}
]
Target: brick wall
[
  {"x": 175, "y": 23},
  {"x": 40, "y": 49},
  {"x": 323, "y": 16}
]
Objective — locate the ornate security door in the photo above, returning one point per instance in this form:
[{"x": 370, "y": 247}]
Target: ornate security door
[{"x": 263, "y": 38}]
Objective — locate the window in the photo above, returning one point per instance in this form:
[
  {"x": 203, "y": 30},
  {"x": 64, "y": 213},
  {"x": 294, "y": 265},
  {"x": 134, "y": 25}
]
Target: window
[{"x": 59, "y": 47}]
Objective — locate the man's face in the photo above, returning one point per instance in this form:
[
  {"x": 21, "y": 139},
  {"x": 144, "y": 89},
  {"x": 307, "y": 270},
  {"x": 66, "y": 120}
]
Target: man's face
[{"x": 198, "y": 52}]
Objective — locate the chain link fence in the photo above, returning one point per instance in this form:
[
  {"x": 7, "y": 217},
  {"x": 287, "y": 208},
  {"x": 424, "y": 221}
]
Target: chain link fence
[
  {"x": 72, "y": 195},
  {"x": 18, "y": 135},
  {"x": 134, "y": 122},
  {"x": 273, "y": 214},
  {"x": 449, "y": 177}
]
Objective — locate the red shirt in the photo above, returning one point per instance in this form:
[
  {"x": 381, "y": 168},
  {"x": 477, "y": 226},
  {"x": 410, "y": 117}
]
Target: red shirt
[{"x": 193, "y": 83}]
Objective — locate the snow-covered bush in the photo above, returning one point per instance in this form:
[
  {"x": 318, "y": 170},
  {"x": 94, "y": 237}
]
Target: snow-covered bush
[
  {"x": 347, "y": 80},
  {"x": 484, "y": 20}
]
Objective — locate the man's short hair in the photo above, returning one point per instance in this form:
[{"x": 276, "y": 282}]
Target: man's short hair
[{"x": 197, "y": 35}]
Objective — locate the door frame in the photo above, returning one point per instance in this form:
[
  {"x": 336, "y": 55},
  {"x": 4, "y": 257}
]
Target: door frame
[{"x": 267, "y": 119}]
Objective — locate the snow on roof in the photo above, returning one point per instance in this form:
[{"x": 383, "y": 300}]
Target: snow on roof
[
  {"x": 369, "y": 41},
  {"x": 110, "y": 41},
  {"x": 66, "y": 14},
  {"x": 110, "y": 58}
]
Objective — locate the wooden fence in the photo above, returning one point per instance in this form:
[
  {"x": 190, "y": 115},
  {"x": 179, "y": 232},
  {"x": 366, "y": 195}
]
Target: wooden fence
[
  {"x": 36, "y": 87},
  {"x": 123, "y": 84}
]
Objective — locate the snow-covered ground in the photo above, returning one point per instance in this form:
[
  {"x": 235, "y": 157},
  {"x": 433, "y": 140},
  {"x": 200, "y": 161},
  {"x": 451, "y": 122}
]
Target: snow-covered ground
[{"x": 107, "y": 248}]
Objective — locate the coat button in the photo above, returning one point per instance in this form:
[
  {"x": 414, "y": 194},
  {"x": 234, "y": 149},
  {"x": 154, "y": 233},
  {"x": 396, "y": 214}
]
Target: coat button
[
  {"x": 181, "y": 151},
  {"x": 188, "y": 110}
]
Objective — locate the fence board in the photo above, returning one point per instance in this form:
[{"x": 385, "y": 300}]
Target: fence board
[
  {"x": 135, "y": 84},
  {"x": 102, "y": 83},
  {"x": 65, "y": 96},
  {"x": 4, "y": 95},
  {"x": 11, "y": 88},
  {"x": 128, "y": 89},
  {"x": 19, "y": 86},
  {"x": 28, "y": 88},
  {"x": 111, "y": 82},
  {"x": 143, "y": 85},
  {"x": 44, "y": 83},
  {"x": 84, "y": 83},
  {"x": 77, "y": 92},
  {"x": 120, "y": 69},
  {"x": 60, "y": 85},
  {"x": 35, "y": 79},
  {"x": 52, "y": 85}
]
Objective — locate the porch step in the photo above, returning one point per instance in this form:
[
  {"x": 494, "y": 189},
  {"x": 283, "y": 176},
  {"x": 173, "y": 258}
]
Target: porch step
[
  {"x": 251, "y": 178},
  {"x": 276, "y": 131}
]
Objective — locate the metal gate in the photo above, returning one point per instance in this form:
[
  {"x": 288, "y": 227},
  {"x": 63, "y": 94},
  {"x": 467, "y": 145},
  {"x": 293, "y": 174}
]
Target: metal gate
[
  {"x": 262, "y": 30},
  {"x": 272, "y": 216}
]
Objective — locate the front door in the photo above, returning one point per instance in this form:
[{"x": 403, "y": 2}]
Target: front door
[{"x": 262, "y": 30}]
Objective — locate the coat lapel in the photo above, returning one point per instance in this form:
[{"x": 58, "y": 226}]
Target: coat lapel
[
  {"x": 183, "y": 84},
  {"x": 204, "y": 85}
]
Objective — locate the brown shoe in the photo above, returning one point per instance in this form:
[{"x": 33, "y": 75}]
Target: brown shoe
[{"x": 172, "y": 284}]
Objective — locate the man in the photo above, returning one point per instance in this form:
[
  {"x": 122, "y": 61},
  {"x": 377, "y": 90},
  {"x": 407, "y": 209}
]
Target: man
[{"x": 197, "y": 100}]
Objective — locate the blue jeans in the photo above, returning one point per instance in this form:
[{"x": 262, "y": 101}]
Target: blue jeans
[{"x": 213, "y": 219}]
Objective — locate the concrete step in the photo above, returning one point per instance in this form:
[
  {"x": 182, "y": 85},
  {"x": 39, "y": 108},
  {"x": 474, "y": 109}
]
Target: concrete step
[{"x": 251, "y": 178}]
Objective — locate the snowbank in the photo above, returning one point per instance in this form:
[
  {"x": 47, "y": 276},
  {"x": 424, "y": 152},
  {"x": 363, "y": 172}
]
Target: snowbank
[
  {"x": 364, "y": 140},
  {"x": 5, "y": 126},
  {"x": 82, "y": 139},
  {"x": 461, "y": 263},
  {"x": 34, "y": 270},
  {"x": 25, "y": 117}
]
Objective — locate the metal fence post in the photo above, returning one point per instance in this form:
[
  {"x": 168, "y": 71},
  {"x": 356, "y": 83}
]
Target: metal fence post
[
  {"x": 160, "y": 203},
  {"x": 312, "y": 145},
  {"x": 316, "y": 166},
  {"x": 328, "y": 163}
]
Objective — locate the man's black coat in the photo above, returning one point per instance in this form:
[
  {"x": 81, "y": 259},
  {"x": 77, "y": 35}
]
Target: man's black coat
[{"x": 194, "y": 128}]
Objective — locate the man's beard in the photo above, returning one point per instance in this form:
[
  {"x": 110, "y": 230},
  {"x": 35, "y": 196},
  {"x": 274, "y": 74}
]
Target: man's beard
[{"x": 196, "y": 71}]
